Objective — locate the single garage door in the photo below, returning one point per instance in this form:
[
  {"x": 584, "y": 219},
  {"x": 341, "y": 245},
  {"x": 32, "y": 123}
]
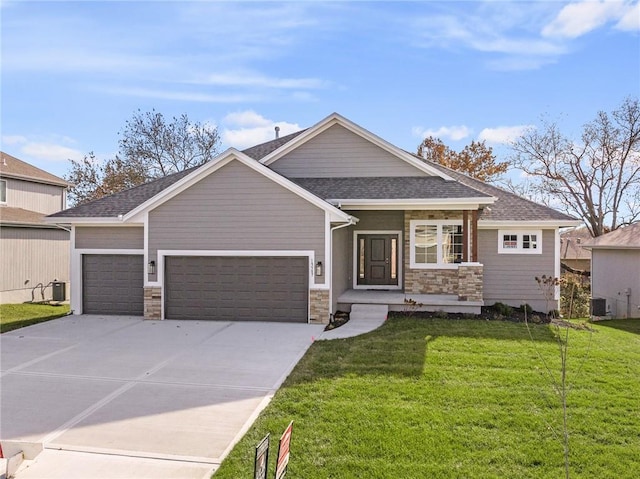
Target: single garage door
[
  {"x": 113, "y": 284},
  {"x": 237, "y": 288}
]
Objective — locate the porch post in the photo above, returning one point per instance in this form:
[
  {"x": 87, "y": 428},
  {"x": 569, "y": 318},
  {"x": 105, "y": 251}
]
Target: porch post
[
  {"x": 474, "y": 233},
  {"x": 465, "y": 236}
]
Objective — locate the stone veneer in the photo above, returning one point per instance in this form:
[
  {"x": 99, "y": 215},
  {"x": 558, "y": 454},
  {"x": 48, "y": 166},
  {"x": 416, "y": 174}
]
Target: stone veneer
[
  {"x": 464, "y": 281},
  {"x": 319, "y": 306},
  {"x": 152, "y": 303}
]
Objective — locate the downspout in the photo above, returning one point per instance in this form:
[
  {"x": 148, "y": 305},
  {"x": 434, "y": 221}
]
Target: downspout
[{"x": 350, "y": 223}]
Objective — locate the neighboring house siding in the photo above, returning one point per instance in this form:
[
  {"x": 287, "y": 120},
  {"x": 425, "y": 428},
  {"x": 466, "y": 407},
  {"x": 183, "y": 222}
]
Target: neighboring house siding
[
  {"x": 337, "y": 152},
  {"x": 510, "y": 278},
  {"x": 614, "y": 271},
  {"x": 95, "y": 237},
  {"x": 30, "y": 256},
  {"x": 236, "y": 208},
  {"x": 46, "y": 199}
]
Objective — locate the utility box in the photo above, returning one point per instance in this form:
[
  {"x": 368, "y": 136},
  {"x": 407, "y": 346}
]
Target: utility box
[
  {"x": 598, "y": 307},
  {"x": 59, "y": 290}
]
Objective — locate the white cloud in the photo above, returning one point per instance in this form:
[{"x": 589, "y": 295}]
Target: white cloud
[
  {"x": 247, "y": 128},
  {"x": 253, "y": 79},
  {"x": 577, "y": 19},
  {"x": 631, "y": 19},
  {"x": 454, "y": 133},
  {"x": 52, "y": 149},
  {"x": 503, "y": 134}
]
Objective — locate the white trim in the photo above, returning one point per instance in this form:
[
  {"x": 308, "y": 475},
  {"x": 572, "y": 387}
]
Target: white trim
[
  {"x": 400, "y": 249},
  {"x": 521, "y": 225},
  {"x": 225, "y": 158},
  {"x": 162, "y": 253},
  {"x": 519, "y": 241},
  {"x": 76, "y": 268},
  {"x": 455, "y": 204},
  {"x": 439, "y": 224},
  {"x": 106, "y": 221},
  {"x": 337, "y": 119},
  {"x": 6, "y": 192}
]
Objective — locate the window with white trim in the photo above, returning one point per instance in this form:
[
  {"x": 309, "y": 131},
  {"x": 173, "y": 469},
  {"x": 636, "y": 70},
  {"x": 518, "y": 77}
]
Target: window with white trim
[
  {"x": 435, "y": 243},
  {"x": 520, "y": 242},
  {"x": 3, "y": 191}
]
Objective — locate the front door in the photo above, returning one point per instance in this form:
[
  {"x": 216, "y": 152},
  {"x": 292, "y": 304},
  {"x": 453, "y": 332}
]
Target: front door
[{"x": 377, "y": 260}]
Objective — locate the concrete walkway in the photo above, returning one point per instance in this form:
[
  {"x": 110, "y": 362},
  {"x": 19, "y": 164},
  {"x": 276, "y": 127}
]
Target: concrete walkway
[{"x": 362, "y": 319}]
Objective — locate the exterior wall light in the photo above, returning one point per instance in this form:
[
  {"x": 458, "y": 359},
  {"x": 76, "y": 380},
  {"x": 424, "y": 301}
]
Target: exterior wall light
[
  {"x": 319, "y": 268},
  {"x": 151, "y": 267}
]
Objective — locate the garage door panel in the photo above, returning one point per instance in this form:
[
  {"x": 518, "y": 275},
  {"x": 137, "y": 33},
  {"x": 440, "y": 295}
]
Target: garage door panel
[
  {"x": 237, "y": 288},
  {"x": 113, "y": 284}
]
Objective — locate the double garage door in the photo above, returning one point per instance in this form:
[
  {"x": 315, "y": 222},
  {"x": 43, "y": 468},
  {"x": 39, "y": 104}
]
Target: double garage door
[
  {"x": 237, "y": 288},
  {"x": 202, "y": 287}
]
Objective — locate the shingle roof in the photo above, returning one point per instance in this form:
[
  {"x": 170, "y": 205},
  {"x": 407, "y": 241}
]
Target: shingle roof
[
  {"x": 622, "y": 238},
  {"x": 12, "y": 167},
  {"x": 413, "y": 187},
  {"x": 572, "y": 242},
  {"x": 263, "y": 149},
  {"x": 19, "y": 216},
  {"x": 509, "y": 206},
  {"x": 124, "y": 201}
]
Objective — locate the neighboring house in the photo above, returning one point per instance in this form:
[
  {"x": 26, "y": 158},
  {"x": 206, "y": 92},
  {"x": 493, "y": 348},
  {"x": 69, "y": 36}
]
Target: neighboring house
[
  {"x": 615, "y": 273},
  {"x": 572, "y": 254},
  {"x": 302, "y": 226},
  {"x": 33, "y": 253}
]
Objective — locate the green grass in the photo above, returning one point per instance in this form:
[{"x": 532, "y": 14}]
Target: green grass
[
  {"x": 456, "y": 399},
  {"x": 15, "y": 316}
]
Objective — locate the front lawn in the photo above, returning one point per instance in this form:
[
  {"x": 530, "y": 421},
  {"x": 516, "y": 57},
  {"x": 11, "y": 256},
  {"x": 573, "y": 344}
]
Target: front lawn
[
  {"x": 455, "y": 398},
  {"x": 14, "y": 316}
]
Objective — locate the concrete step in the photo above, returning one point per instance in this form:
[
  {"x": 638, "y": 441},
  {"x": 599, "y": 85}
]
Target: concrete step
[{"x": 368, "y": 311}]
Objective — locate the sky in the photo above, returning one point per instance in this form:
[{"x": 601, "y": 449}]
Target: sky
[{"x": 73, "y": 72}]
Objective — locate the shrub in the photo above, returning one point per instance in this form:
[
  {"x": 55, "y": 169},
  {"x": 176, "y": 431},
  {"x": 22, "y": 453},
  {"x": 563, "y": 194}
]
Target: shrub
[
  {"x": 575, "y": 294},
  {"x": 502, "y": 309}
]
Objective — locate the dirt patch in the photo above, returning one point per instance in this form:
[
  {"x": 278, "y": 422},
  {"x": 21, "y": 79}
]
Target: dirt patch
[{"x": 337, "y": 320}]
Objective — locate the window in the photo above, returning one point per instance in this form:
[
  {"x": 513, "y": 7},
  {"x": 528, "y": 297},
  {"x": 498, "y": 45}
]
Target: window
[
  {"x": 3, "y": 191},
  {"x": 435, "y": 243},
  {"x": 519, "y": 242}
]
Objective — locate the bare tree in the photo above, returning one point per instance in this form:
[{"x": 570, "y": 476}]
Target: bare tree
[
  {"x": 149, "y": 148},
  {"x": 596, "y": 177},
  {"x": 163, "y": 147}
]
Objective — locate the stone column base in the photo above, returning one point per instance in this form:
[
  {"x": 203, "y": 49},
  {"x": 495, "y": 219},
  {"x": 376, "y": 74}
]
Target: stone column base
[
  {"x": 319, "y": 306},
  {"x": 152, "y": 303}
]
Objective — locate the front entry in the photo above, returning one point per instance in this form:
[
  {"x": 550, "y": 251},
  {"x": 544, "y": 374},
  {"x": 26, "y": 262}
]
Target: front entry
[{"x": 377, "y": 260}]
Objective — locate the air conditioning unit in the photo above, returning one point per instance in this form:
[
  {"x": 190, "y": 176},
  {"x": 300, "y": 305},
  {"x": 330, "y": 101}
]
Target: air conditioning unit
[{"x": 598, "y": 307}]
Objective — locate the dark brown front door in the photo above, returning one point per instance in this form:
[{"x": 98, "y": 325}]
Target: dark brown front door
[{"x": 378, "y": 259}]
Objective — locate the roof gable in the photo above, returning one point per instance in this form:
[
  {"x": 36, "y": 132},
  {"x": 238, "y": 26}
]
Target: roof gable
[
  {"x": 217, "y": 163},
  {"x": 622, "y": 238},
  {"x": 336, "y": 119},
  {"x": 12, "y": 167}
]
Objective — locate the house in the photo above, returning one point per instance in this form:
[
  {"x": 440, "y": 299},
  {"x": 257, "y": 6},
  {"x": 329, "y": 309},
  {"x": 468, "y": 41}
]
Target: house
[
  {"x": 615, "y": 273},
  {"x": 305, "y": 225},
  {"x": 33, "y": 253},
  {"x": 572, "y": 254}
]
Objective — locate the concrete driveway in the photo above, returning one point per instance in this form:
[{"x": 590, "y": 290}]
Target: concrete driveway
[{"x": 123, "y": 397}]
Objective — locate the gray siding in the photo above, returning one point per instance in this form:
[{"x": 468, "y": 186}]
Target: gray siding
[
  {"x": 29, "y": 256},
  {"x": 342, "y": 266},
  {"x": 46, "y": 199},
  {"x": 614, "y": 271},
  {"x": 109, "y": 237},
  {"x": 337, "y": 152},
  {"x": 510, "y": 278},
  {"x": 237, "y": 208},
  {"x": 379, "y": 220}
]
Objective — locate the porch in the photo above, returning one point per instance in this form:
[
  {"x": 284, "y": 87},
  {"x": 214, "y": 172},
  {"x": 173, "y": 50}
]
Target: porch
[{"x": 401, "y": 301}]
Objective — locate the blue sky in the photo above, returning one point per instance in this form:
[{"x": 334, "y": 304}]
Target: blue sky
[{"x": 74, "y": 72}]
